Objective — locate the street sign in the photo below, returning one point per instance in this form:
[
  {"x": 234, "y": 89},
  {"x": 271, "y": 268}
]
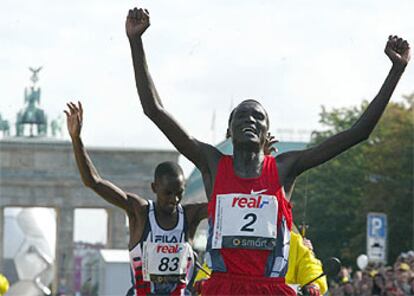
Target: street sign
[{"x": 377, "y": 237}]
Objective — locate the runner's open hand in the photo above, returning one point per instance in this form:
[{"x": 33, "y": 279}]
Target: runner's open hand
[
  {"x": 269, "y": 148},
  {"x": 74, "y": 118}
]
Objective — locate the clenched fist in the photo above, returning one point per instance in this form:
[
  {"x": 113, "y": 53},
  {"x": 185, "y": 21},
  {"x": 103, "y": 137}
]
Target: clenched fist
[
  {"x": 398, "y": 50},
  {"x": 137, "y": 22}
]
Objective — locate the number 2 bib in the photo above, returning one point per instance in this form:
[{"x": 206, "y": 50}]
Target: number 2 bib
[
  {"x": 165, "y": 262},
  {"x": 245, "y": 221}
]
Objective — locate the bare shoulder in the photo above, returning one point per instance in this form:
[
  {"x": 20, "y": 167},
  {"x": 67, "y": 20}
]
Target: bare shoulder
[
  {"x": 212, "y": 155},
  {"x": 287, "y": 158},
  {"x": 286, "y": 164},
  {"x": 136, "y": 203}
]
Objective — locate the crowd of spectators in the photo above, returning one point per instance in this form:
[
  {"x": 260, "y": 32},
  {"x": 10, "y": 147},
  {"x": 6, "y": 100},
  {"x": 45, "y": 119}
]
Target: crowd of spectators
[{"x": 378, "y": 280}]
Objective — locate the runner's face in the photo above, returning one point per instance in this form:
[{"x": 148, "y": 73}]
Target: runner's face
[
  {"x": 249, "y": 124},
  {"x": 169, "y": 191}
]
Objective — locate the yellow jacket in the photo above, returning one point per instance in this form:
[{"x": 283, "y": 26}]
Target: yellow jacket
[{"x": 303, "y": 266}]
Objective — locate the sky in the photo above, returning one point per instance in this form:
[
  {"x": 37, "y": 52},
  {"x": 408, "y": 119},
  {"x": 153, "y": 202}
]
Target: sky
[{"x": 205, "y": 57}]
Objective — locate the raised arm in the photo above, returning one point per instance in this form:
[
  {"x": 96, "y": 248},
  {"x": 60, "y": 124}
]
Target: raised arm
[
  {"x": 137, "y": 22},
  {"x": 398, "y": 51},
  {"x": 87, "y": 170}
]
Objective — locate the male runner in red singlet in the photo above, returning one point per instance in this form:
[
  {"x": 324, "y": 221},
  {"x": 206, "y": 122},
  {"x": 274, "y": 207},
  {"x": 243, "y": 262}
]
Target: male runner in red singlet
[
  {"x": 161, "y": 258},
  {"x": 249, "y": 217}
]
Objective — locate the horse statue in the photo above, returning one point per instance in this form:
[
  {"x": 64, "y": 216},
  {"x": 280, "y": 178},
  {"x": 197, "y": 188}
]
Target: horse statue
[{"x": 31, "y": 114}]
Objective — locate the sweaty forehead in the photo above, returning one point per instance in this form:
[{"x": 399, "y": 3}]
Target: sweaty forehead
[
  {"x": 249, "y": 105},
  {"x": 171, "y": 180}
]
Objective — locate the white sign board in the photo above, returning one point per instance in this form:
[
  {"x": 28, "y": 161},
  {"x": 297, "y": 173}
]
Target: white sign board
[{"x": 377, "y": 237}]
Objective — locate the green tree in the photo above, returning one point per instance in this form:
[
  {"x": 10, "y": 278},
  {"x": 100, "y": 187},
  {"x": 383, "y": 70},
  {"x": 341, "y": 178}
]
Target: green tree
[{"x": 375, "y": 176}]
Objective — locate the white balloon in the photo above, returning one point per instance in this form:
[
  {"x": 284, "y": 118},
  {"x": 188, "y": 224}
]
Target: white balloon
[{"x": 362, "y": 261}]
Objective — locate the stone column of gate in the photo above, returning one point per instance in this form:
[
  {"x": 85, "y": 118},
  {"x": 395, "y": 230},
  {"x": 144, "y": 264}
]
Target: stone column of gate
[
  {"x": 64, "y": 248},
  {"x": 1, "y": 238},
  {"x": 117, "y": 230}
]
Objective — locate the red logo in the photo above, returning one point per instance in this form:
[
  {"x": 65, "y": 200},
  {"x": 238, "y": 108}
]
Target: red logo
[
  {"x": 249, "y": 202},
  {"x": 169, "y": 249}
]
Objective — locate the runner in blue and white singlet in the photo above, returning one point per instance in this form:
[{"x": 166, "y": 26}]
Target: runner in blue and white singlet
[
  {"x": 157, "y": 230},
  {"x": 162, "y": 261}
]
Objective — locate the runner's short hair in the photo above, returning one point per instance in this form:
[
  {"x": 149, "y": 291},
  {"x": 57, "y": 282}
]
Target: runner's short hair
[{"x": 168, "y": 168}]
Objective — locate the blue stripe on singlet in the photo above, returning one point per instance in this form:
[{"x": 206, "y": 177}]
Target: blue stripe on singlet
[
  {"x": 278, "y": 253},
  {"x": 216, "y": 262}
]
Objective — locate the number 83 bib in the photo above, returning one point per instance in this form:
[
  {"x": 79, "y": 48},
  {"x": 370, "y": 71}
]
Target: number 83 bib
[
  {"x": 245, "y": 221},
  {"x": 165, "y": 262}
]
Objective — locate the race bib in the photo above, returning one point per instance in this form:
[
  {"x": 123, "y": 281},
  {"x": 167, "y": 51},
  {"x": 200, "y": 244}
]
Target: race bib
[
  {"x": 165, "y": 262},
  {"x": 245, "y": 221}
]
